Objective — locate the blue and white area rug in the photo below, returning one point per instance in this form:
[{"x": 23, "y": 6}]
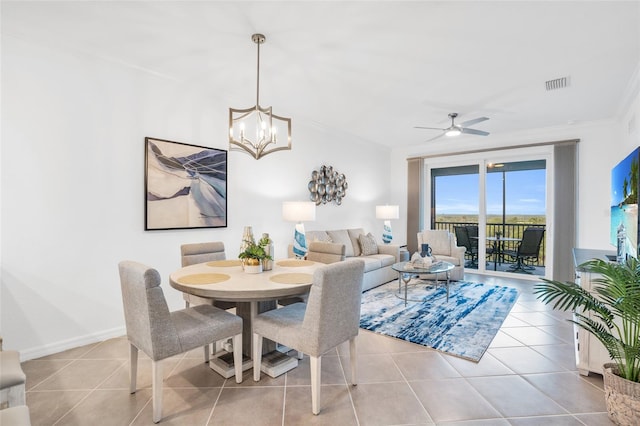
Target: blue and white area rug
[{"x": 464, "y": 326}]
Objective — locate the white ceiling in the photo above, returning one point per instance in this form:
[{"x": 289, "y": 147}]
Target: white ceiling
[{"x": 372, "y": 69}]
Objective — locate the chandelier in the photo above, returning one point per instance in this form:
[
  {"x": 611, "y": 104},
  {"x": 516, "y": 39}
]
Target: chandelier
[{"x": 256, "y": 130}]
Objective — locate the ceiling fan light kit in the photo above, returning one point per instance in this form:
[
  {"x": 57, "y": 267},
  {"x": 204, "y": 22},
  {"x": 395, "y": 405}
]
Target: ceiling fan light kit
[{"x": 457, "y": 129}]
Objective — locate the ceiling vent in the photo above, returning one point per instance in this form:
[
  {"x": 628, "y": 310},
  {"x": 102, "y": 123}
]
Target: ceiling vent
[{"x": 558, "y": 83}]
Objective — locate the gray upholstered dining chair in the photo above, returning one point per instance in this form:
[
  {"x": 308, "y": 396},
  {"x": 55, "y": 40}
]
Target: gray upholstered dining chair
[
  {"x": 322, "y": 252},
  {"x": 12, "y": 379},
  {"x": 161, "y": 334},
  {"x": 193, "y": 253},
  {"x": 330, "y": 317},
  {"x": 15, "y": 416}
]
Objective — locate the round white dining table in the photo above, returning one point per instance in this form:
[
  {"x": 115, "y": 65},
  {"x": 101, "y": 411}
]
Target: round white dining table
[{"x": 253, "y": 293}]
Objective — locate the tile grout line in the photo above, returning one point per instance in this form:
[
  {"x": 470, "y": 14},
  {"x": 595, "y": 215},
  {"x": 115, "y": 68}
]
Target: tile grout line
[
  {"x": 215, "y": 403},
  {"x": 87, "y": 395},
  {"x": 344, "y": 376},
  {"x": 71, "y": 361},
  {"x": 406, "y": 382}
]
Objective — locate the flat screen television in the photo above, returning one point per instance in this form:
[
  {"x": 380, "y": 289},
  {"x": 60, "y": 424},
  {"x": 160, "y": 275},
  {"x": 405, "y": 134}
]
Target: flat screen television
[{"x": 624, "y": 202}]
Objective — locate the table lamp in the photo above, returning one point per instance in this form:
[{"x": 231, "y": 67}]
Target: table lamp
[
  {"x": 387, "y": 213},
  {"x": 299, "y": 211}
]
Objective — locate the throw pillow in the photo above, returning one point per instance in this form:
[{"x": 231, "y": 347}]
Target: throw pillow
[
  {"x": 368, "y": 244},
  {"x": 341, "y": 236},
  {"x": 353, "y": 235},
  {"x": 317, "y": 236}
]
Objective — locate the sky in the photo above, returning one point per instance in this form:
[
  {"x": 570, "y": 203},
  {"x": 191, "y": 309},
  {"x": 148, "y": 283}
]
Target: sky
[
  {"x": 618, "y": 175},
  {"x": 525, "y": 193}
]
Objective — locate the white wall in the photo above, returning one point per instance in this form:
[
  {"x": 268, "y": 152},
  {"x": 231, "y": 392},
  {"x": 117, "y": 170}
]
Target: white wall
[{"x": 73, "y": 131}]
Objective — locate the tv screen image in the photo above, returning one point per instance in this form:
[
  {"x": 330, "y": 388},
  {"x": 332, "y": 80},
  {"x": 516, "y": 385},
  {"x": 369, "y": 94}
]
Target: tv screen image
[{"x": 624, "y": 202}]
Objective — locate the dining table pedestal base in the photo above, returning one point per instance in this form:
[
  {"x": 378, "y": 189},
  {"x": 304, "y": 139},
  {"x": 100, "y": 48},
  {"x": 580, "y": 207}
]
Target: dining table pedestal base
[
  {"x": 276, "y": 363},
  {"x": 222, "y": 363}
]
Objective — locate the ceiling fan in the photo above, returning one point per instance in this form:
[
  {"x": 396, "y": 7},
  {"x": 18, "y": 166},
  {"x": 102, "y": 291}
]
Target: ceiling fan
[{"x": 456, "y": 129}]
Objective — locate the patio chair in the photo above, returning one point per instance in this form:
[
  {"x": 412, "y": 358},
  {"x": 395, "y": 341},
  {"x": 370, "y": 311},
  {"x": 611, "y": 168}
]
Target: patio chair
[
  {"x": 462, "y": 237},
  {"x": 528, "y": 249}
]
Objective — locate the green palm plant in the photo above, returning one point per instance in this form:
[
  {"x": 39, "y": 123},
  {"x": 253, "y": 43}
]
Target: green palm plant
[{"x": 615, "y": 309}]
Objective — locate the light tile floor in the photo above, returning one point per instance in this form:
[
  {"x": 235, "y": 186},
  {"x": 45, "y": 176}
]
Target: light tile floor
[{"x": 527, "y": 377}]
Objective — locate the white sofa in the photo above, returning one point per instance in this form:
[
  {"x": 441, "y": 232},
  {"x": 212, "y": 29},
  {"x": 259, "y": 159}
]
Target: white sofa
[
  {"x": 444, "y": 247},
  {"x": 327, "y": 247}
]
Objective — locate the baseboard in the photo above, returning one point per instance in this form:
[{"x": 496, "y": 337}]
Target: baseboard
[{"x": 63, "y": 345}]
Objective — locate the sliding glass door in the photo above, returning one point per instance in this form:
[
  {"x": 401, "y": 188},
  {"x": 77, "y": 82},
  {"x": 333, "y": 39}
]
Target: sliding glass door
[
  {"x": 454, "y": 206},
  {"x": 496, "y": 209},
  {"x": 516, "y": 215}
]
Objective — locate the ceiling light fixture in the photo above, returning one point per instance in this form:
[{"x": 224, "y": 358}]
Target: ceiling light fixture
[
  {"x": 257, "y": 130},
  {"x": 453, "y": 132}
]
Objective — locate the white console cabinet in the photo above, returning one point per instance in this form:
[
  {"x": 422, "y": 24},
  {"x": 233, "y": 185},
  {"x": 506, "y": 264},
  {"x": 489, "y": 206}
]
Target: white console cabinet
[{"x": 590, "y": 353}]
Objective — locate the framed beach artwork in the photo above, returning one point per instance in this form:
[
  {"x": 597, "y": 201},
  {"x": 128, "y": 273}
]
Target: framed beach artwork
[
  {"x": 625, "y": 188},
  {"x": 185, "y": 186}
]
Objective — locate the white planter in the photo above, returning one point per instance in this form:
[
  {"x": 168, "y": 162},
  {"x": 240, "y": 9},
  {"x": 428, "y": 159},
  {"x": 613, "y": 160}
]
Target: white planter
[{"x": 253, "y": 269}]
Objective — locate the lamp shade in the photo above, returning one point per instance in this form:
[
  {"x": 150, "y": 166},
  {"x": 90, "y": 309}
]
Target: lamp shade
[
  {"x": 387, "y": 212},
  {"x": 299, "y": 211}
]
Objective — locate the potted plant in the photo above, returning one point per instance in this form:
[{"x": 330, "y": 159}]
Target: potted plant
[
  {"x": 612, "y": 314},
  {"x": 253, "y": 255}
]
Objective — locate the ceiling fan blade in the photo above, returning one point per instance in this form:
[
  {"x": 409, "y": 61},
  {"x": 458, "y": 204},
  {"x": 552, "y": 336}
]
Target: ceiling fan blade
[
  {"x": 428, "y": 128},
  {"x": 435, "y": 137},
  {"x": 474, "y": 121},
  {"x": 474, "y": 131}
]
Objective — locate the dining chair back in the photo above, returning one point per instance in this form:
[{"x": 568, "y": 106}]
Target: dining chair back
[
  {"x": 322, "y": 252},
  {"x": 330, "y": 317},
  {"x": 160, "y": 334},
  {"x": 193, "y": 253},
  {"x": 202, "y": 252}
]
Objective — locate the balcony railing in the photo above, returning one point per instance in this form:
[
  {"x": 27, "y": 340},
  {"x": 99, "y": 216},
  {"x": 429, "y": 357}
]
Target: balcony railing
[{"x": 507, "y": 230}]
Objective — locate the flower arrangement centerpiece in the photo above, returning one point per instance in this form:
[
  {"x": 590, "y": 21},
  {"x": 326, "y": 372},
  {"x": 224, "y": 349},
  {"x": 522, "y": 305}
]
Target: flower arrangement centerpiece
[{"x": 254, "y": 254}]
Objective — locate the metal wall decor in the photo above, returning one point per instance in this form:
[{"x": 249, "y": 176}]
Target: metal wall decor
[{"x": 327, "y": 185}]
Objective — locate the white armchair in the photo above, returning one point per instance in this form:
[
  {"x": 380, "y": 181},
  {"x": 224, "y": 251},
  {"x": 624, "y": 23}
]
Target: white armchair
[{"x": 443, "y": 247}]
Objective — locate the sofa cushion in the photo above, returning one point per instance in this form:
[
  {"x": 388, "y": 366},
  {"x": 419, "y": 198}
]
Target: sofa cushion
[
  {"x": 368, "y": 244},
  {"x": 371, "y": 263},
  {"x": 385, "y": 259},
  {"x": 341, "y": 236},
  {"x": 354, "y": 234},
  {"x": 321, "y": 236}
]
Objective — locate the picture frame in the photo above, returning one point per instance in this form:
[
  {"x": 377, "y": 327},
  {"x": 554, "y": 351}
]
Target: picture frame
[{"x": 185, "y": 186}]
